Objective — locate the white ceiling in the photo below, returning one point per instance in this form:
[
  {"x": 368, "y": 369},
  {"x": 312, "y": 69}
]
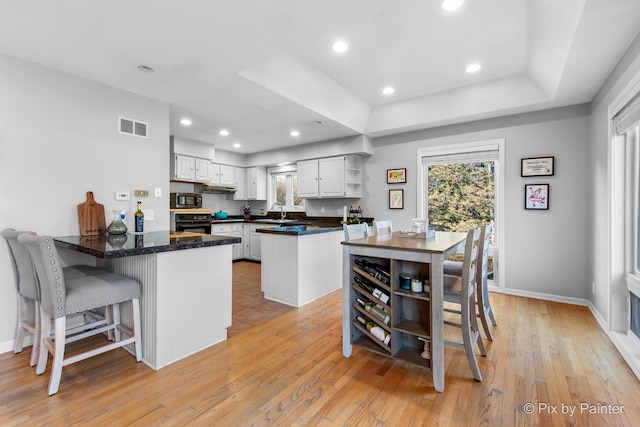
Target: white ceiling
[{"x": 261, "y": 68}]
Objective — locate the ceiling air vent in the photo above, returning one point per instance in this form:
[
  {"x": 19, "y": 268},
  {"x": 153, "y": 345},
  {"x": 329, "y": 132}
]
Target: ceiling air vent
[{"x": 132, "y": 127}]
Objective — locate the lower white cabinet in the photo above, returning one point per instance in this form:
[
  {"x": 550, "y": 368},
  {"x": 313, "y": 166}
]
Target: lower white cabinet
[
  {"x": 234, "y": 230},
  {"x": 253, "y": 240}
]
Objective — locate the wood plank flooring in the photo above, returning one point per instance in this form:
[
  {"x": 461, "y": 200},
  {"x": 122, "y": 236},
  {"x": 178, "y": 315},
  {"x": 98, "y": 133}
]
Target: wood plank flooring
[{"x": 289, "y": 371}]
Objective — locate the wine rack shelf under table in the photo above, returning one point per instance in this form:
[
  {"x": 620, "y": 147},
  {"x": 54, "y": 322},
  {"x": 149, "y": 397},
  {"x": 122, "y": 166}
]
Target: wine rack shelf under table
[{"x": 416, "y": 318}]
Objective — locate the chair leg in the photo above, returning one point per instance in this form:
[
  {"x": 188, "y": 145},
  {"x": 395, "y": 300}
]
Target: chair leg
[
  {"x": 45, "y": 332},
  {"x": 467, "y": 340},
  {"x": 137, "y": 328},
  {"x": 115, "y": 316},
  {"x": 476, "y": 332},
  {"x": 35, "y": 351},
  {"x": 58, "y": 354},
  {"x": 483, "y": 303},
  {"x": 18, "y": 343}
]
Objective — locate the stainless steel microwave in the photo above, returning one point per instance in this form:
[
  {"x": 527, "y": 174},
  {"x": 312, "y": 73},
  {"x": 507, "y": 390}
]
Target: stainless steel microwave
[{"x": 185, "y": 200}]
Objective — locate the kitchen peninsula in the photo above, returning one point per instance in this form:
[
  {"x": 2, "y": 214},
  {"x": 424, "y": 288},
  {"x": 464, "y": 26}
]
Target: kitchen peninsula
[
  {"x": 186, "y": 286},
  {"x": 300, "y": 263}
]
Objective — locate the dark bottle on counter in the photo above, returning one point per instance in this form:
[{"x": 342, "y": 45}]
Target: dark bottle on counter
[
  {"x": 372, "y": 290},
  {"x": 139, "y": 219},
  {"x": 374, "y": 270}
]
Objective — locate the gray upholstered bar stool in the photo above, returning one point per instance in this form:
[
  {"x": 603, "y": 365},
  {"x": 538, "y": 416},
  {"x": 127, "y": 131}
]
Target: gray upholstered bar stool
[
  {"x": 61, "y": 297},
  {"x": 26, "y": 284},
  {"x": 485, "y": 312}
]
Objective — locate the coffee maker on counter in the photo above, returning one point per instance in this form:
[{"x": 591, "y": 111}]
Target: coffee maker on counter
[{"x": 247, "y": 212}]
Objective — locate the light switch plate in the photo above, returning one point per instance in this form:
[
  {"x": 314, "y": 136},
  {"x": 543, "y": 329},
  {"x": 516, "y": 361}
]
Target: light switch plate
[
  {"x": 142, "y": 193},
  {"x": 157, "y": 192},
  {"x": 122, "y": 195}
]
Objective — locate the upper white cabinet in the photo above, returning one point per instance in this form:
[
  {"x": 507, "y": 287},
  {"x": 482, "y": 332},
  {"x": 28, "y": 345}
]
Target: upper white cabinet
[
  {"x": 239, "y": 182},
  {"x": 256, "y": 182},
  {"x": 332, "y": 177},
  {"x": 203, "y": 170},
  {"x": 222, "y": 174},
  {"x": 187, "y": 168}
]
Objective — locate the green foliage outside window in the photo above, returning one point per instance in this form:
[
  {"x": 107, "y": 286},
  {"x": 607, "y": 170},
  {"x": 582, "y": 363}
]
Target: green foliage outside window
[{"x": 461, "y": 195}]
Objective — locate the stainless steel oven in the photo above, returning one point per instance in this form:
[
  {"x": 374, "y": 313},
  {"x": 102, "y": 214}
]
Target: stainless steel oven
[{"x": 196, "y": 222}]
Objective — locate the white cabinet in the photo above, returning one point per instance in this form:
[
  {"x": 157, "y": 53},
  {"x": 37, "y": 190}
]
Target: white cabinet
[
  {"x": 253, "y": 240},
  {"x": 332, "y": 177},
  {"x": 222, "y": 174},
  {"x": 256, "y": 183},
  {"x": 193, "y": 169},
  {"x": 239, "y": 182},
  {"x": 233, "y": 230},
  {"x": 308, "y": 179},
  {"x": 203, "y": 170}
]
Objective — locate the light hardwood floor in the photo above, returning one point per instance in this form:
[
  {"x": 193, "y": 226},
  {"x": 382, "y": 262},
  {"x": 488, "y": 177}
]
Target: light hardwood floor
[{"x": 290, "y": 371}]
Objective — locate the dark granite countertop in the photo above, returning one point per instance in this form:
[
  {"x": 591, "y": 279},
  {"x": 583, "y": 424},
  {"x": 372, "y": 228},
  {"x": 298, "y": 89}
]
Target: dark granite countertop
[
  {"x": 299, "y": 230},
  {"x": 116, "y": 246}
]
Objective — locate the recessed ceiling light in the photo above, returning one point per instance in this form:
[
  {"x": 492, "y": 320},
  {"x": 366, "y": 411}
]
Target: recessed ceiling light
[
  {"x": 223, "y": 132},
  {"x": 145, "y": 68},
  {"x": 450, "y": 5},
  {"x": 185, "y": 122},
  {"x": 236, "y": 145},
  {"x": 472, "y": 68},
  {"x": 340, "y": 46},
  {"x": 294, "y": 133},
  {"x": 388, "y": 90}
]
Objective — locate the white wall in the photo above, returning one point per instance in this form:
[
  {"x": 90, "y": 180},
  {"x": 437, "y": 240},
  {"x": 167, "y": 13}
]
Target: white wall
[
  {"x": 600, "y": 195},
  {"x": 58, "y": 140},
  {"x": 546, "y": 251}
]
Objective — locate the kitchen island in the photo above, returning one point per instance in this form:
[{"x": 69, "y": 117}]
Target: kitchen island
[
  {"x": 186, "y": 286},
  {"x": 300, "y": 263}
]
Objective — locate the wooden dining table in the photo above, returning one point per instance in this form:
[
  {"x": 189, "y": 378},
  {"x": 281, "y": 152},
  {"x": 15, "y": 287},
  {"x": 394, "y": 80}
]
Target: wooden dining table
[{"x": 401, "y": 249}]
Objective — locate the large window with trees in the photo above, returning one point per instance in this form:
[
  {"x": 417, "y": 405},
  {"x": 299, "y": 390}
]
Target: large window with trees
[{"x": 460, "y": 187}]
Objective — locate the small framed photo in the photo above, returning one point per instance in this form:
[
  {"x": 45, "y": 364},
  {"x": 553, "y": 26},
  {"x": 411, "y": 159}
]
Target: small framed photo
[
  {"x": 537, "y": 166},
  {"x": 396, "y": 199},
  {"x": 536, "y": 196},
  {"x": 396, "y": 176}
]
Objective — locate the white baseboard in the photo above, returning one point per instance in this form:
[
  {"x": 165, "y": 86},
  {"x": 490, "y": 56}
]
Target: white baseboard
[{"x": 546, "y": 297}]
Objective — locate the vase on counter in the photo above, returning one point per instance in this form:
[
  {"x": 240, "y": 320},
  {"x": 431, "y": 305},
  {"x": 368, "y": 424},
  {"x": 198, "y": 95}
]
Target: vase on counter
[{"x": 117, "y": 226}]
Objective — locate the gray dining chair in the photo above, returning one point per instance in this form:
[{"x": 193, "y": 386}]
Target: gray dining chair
[
  {"x": 382, "y": 227},
  {"x": 462, "y": 290},
  {"x": 485, "y": 312},
  {"x": 61, "y": 296},
  {"x": 355, "y": 231}
]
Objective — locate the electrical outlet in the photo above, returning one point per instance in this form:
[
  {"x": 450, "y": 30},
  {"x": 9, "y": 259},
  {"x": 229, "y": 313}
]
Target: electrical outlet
[
  {"x": 149, "y": 214},
  {"x": 122, "y": 195},
  {"x": 142, "y": 193},
  {"x": 157, "y": 192}
]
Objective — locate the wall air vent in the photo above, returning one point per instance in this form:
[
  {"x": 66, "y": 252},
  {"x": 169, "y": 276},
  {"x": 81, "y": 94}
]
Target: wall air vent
[{"x": 132, "y": 127}]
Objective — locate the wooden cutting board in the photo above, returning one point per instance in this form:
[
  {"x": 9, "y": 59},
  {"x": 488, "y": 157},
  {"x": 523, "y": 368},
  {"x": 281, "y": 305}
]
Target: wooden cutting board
[{"x": 91, "y": 217}]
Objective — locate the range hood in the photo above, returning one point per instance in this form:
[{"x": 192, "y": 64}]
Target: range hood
[{"x": 215, "y": 188}]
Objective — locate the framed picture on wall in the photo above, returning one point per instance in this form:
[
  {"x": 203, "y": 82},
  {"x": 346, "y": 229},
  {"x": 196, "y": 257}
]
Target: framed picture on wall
[
  {"x": 536, "y": 196},
  {"x": 537, "y": 166},
  {"x": 396, "y": 176},
  {"x": 396, "y": 199}
]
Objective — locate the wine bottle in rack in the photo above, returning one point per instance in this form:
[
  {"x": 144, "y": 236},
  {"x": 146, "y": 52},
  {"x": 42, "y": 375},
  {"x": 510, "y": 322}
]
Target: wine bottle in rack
[
  {"x": 375, "y": 330},
  {"x": 371, "y": 289},
  {"x": 374, "y": 270},
  {"x": 375, "y": 310}
]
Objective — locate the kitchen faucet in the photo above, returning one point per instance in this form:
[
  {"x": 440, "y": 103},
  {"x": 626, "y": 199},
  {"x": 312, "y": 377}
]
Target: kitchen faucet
[{"x": 283, "y": 214}]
